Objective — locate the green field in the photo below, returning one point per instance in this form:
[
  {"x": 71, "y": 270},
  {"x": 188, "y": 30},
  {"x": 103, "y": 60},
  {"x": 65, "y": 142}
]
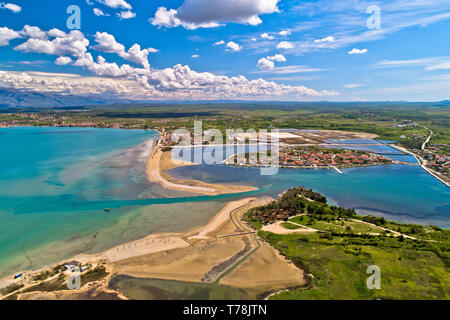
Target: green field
[
  {"x": 339, "y": 268},
  {"x": 378, "y": 118},
  {"x": 338, "y": 256}
]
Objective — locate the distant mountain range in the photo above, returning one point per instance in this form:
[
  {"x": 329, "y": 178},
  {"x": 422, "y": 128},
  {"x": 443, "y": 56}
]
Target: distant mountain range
[{"x": 12, "y": 98}]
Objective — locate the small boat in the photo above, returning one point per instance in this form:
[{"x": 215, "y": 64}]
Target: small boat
[{"x": 17, "y": 276}]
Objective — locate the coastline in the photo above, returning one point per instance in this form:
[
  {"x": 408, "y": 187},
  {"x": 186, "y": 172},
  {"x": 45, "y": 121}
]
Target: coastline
[
  {"x": 188, "y": 257},
  {"x": 159, "y": 162},
  {"x": 421, "y": 163}
]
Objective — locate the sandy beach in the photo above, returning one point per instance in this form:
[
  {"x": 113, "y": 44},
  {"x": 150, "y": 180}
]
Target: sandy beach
[
  {"x": 195, "y": 256},
  {"x": 159, "y": 162},
  {"x": 217, "y": 251}
]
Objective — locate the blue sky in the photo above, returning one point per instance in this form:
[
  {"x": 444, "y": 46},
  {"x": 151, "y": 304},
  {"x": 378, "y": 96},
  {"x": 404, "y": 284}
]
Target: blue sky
[{"x": 229, "y": 49}]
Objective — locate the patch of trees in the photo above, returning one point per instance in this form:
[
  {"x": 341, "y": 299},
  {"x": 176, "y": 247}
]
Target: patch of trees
[
  {"x": 296, "y": 201},
  {"x": 379, "y": 221}
]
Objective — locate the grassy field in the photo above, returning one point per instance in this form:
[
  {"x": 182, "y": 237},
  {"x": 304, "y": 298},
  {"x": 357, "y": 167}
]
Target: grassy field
[
  {"x": 338, "y": 226},
  {"x": 378, "y": 118},
  {"x": 340, "y": 268},
  {"x": 338, "y": 256}
]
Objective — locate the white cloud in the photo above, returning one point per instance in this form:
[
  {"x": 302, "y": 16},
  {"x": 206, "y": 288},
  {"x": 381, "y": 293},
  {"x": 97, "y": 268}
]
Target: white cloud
[
  {"x": 116, "y": 4},
  {"x": 290, "y": 70},
  {"x": 195, "y": 14},
  {"x": 7, "y": 35},
  {"x": 74, "y": 44},
  {"x": 218, "y": 43},
  {"x": 277, "y": 58},
  {"x": 233, "y": 46},
  {"x": 429, "y": 63},
  {"x": 177, "y": 82},
  {"x": 10, "y": 6},
  {"x": 348, "y": 20},
  {"x": 107, "y": 43},
  {"x": 268, "y": 63},
  {"x": 353, "y": 85},
  {"x": 285, "y": 33},
  {"x": 195, "y": 56},
  {"x": 126, "y": 15},
  {"x": 152, "y": 50},
  {"x": 285, "y": 45},
  {"x": 326, "y": 39},
  {"x": 167, "y": 18},
  {"x": 267, "y": 36},
  {"x": 265, "y": 64},
  {"x": 357, "y": 51},
  {"x": 99, "y": 12},
  {"x": 33, "y": 32},
  {"x": 441, "y": 66},
  {"x": 62, "y": 61},
  {"x": 56, "y": 33}
]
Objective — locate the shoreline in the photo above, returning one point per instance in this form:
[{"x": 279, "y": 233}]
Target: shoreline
[
  {"x": 159, "y": 162},
  {"x": 420, "y": 163},
  {"x": 184, "y": 245}
]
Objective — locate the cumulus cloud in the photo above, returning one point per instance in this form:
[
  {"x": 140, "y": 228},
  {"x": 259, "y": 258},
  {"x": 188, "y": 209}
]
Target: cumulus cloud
[
  {"x": 265, "y": 64},
  {"x": 7, "y": 35},
  {"x": 277, "y": 58},
  {"x": 126, "y": 15},
  {"x": 62, "y": 61},
  {"x": 357, "y": 51},
  {"x": 167, "y": 18},
  {"x": 107, "y": 43},
  {"x": 177, "y": 82},
  {"x": 218, "y": 43},
  {"x": 99, "y": 12},
  {"x": 267, "y": 36},
  {"x": 285, "y": 33},
  {"x": 73, "y": 43},
  {"x": 33, "y": 32},
  {"x": 285, "y": 45},
  {"x": 158, "y": 84},
  {"x": 56, "y": 33},
  {"x": 233, "y": 46},
  {"x": 195, "y": 14},
  {"x": 326, "y": 39},
  {"x": 116, "y": 4},
  {"x": 10, "y": 6},
  {"x": 268, "y": 63}
]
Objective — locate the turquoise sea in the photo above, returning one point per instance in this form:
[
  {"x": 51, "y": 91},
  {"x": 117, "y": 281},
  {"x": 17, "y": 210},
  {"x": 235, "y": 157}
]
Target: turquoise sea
[{"x": 55, "y": 184}]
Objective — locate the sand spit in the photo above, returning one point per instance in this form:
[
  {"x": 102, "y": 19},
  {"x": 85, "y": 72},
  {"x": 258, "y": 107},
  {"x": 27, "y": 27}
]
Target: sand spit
[{"x": 160, "y": 161}]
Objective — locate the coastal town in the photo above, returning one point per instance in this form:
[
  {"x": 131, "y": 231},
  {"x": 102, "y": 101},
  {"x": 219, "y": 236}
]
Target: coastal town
[{"x": 312, "y": 157}]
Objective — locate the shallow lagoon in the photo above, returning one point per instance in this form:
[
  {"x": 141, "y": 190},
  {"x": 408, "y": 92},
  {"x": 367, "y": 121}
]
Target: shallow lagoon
[{"x": 55, "y": 184}]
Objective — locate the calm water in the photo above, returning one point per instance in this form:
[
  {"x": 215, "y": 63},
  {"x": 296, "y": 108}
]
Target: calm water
[
  {"x": 55, "y": 184},
  {"x": 398, "y": 192},
  {"x": 155, "y": 289}
]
